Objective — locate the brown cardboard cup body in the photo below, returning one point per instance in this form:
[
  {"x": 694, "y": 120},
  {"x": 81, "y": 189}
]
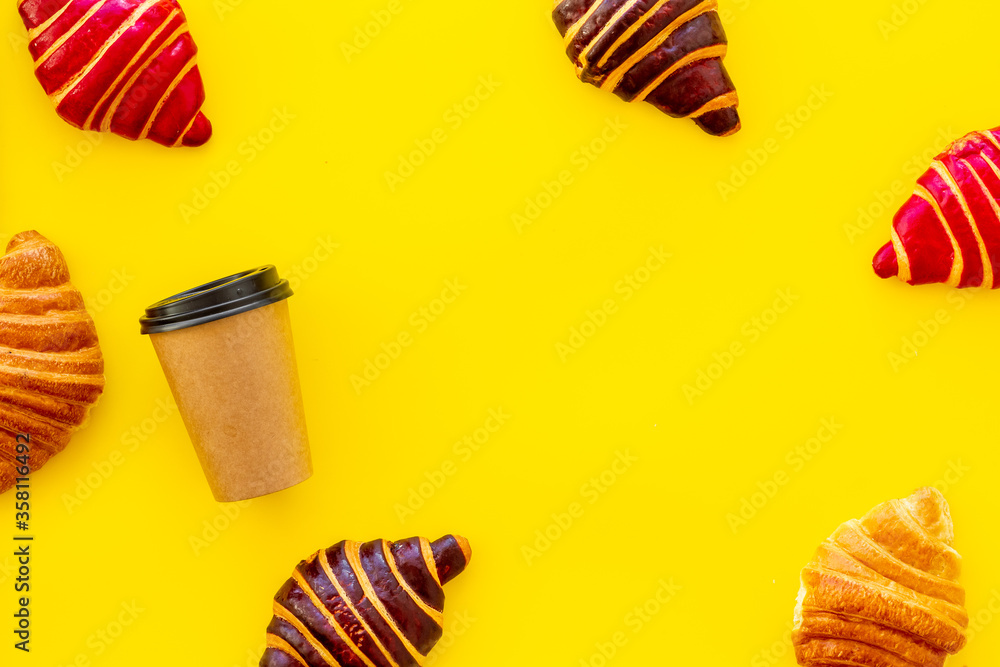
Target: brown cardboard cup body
[{"x": 236, "y": 385}]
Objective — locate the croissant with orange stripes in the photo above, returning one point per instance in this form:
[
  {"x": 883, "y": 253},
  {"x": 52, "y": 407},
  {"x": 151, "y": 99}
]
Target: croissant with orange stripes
[
  {"x": 883, "y": 591},
  {"x": 666, "y": 52},
  {"x": 949, "y": 230},
  {"x": 378, "y": 604},
  {"x": 124, "y": 66},
  {"x": 51, "y": 368}
]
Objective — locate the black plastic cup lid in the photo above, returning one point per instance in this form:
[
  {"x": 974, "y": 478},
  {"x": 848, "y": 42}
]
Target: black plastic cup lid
[{"x": 216, "y": 300}]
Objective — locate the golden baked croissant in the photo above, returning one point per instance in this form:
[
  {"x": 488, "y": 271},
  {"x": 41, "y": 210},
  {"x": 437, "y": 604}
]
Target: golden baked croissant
[
  {"x": 883, "y": 591},
  {"x": 378, "y": 604},
  {"x": 51, "y": 368},
  {"x": 666, "y": 52}
]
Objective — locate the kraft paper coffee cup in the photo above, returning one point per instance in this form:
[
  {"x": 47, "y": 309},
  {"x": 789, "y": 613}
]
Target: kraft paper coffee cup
[{"x": 226, "y": 349}]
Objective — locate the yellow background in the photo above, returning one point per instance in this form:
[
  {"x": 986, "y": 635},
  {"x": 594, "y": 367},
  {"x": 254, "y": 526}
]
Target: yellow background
[{"x": 902, "y": 421}]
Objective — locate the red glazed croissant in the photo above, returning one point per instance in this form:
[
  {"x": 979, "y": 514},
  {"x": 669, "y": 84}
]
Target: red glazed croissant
[
  {"x": 378, "y": 604},
  {"x": 949, "y": 230},
  {"x": 51, "y": 368},
  {"x": 883, "y": 591},
  {"x": 666, "y": 52},
  {"x": 125, "y": 66}
]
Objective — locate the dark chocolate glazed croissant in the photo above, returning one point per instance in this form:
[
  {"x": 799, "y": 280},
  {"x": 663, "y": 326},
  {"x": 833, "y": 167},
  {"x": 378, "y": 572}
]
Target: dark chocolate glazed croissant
[
  {"x": 378, "y": 604},
  {"x": 666, "y": 52}
]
